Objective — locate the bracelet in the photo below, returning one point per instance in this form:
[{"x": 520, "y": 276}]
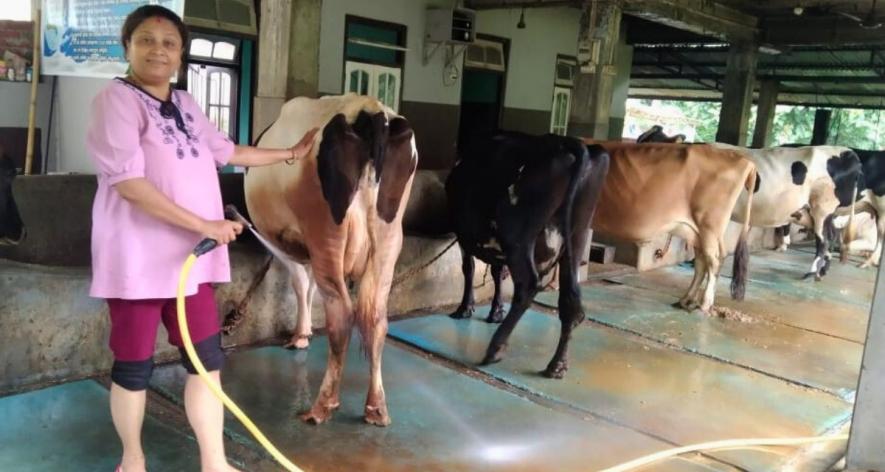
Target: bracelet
[{"x": 290, "y": 161}]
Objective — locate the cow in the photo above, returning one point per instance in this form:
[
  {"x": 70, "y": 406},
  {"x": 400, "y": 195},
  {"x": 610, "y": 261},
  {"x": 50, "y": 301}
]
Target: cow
[
  {"x": 860, "y": 177},
  {"x": 689, "y": 191},
  {"x": 10, "y": 222},
  {"x": 862, "y": 239},
  {"x": 788, "y": 180},
  {"x": 526, "y": 202},
  {"x": 656, "y": 134},
  {"x": 339, "y": 210}
]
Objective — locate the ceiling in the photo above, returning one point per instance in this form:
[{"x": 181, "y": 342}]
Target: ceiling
[{"x": 827, "y": 56}]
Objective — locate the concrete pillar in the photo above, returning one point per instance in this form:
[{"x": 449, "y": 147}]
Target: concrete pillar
[
  {"x": 594, "y": 84},
  {"x": 304, "y": 49},
  {"x": 737, "y": 95},
  {"x": 821, "y": 126},
  {"x": 273, "y": 62},
  {"x": 765, "y": 113},
  {"x": 868, "y": 422},
  {"x": 624, "y": 64}
]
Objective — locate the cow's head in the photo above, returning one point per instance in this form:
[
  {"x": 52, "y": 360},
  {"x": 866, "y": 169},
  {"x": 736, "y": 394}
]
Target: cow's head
[
  {"x": 847, "y": 174},
  {"x": 347, "y": 148},
  {"x": 656, "y": 135}
]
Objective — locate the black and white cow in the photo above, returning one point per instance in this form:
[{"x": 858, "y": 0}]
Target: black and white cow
[
  {"x": 860, "y": 177},
  {"x": 527, "y": 202}
]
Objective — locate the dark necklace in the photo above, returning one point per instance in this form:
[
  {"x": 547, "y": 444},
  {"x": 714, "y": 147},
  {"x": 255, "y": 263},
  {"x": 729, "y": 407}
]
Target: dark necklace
[{"x": 168, "y": 109}]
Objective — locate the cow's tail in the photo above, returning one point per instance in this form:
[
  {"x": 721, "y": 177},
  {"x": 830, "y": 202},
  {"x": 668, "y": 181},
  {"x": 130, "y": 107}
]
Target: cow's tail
[
  {"x": 850, "y": 231},
  {"x": 740, "y": 267}
]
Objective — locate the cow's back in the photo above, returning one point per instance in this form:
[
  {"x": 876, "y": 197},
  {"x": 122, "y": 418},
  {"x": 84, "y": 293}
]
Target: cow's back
[
  {"x": 286, "y": 201},
  {"x": 652, "y": 187}
]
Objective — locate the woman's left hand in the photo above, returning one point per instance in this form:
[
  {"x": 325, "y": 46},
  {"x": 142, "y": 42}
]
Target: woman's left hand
[{"x": 303, "y": 147}]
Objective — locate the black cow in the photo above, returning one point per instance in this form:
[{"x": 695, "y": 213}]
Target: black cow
[
  {"x": 10, "y": 222},
  {"x": 656, "y": 135},
  {"x": 860, "y": 177},
  {"x": 527, "y": 202}
]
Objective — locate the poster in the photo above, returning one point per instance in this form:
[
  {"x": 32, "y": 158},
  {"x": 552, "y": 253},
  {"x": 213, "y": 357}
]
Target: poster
[{"x": 82, "y": 37}]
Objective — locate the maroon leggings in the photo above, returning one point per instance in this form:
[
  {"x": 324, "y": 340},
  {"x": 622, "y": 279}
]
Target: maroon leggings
[{"x": 134, "y": 323}]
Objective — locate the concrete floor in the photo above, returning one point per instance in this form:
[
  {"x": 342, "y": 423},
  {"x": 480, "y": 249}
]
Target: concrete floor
[{"x": 643, "y": 377}]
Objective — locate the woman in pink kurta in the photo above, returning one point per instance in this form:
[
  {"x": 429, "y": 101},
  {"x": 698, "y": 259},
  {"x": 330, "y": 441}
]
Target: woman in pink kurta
[{"x": 156, "y": 157}]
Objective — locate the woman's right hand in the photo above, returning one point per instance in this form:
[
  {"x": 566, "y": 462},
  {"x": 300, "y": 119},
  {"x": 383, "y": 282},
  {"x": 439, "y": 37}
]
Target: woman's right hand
[{"x": 222, "y": 231}]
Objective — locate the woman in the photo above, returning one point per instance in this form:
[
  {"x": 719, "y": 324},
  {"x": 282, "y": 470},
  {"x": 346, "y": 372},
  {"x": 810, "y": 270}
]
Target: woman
[{"x": 158, "y": 195}]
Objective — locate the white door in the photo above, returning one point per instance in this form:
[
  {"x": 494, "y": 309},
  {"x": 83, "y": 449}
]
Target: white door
[
  {"x": 562, "y": 98},
  {"x": 381, "y": 82}
]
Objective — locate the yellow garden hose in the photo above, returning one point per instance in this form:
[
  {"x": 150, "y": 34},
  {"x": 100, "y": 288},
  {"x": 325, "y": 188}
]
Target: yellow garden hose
[
  {"x": 204, "y": 247},
  {"x": 727, "y": 444}
]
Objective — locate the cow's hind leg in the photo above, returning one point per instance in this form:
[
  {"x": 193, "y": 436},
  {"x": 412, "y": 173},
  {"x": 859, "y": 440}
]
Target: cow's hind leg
[
  {"x": 691, "y": 299},
  {"x": 496, "y": 314},
  {"x": 465, "y": 309},
  {"x": 304, "y": 285},
  {"x": 339, "y": 320},
  {"x": 711, "y": 253},
  {"x": 877, "y": 252},
  {"x": 521, "y": 262}
]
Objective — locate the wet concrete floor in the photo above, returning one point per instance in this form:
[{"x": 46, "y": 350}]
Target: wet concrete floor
[{"x": 643, "y": 377}]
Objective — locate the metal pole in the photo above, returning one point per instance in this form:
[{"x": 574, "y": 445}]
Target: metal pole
[{"x": 866, "y": 444}]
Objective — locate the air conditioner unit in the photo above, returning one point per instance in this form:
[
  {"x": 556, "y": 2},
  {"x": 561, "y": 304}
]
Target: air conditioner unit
[{"x": 453, "y": 26}]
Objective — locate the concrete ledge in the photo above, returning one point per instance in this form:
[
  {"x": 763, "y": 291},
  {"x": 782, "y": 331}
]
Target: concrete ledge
[
  {"x": 642, "y": 255},
  {"x": 52, "y": 331}
]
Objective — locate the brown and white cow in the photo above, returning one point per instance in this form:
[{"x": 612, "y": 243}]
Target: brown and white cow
[
  {"x": 788, "y": 180},
  {"x": 339, "y": 210},
  {"x": 688, "y": 191}
]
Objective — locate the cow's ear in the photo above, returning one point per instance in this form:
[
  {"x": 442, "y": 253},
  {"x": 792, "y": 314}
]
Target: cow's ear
[
  {"x": 373, "y": 131},
  {"x": 340, "y": 161},
  {"x": 397, "y": 168}
]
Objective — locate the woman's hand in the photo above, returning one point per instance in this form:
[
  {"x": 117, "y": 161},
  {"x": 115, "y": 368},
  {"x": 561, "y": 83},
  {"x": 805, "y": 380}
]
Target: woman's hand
[
  {"x": 222, "y": 231},
  {"x": 304, "y": 146}
]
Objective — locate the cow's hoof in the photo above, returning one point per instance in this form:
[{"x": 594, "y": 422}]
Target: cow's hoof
[
  {"x": 377, "y": 416},
  {"x": 556, "y": 370},
  {"x": 865, "y": 265},
  {"x": 231, "y": 321},
  {"x": 496, "y": 315},
  {"x": 462, "y": 313},
  {"x": 319, "y": 414},
  {"x": 299, "y": 342},
  {"x": 687, "y": 305},
  {"x": 493, "y": 356}
]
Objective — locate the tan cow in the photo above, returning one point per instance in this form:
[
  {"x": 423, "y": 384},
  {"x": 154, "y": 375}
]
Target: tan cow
[
  {"x": 340, "y": 211},
  {"x": 685, "y": 190}
]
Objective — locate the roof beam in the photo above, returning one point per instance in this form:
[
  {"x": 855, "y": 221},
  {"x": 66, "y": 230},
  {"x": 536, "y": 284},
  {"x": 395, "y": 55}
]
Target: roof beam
[
  {"x": 768, "y": 66},
  {"x": 698, "y": 16},
  {"x": 820, "y": 32},
  {"x": 495, "y": 4},
  {"x": 780, "y": 78}
]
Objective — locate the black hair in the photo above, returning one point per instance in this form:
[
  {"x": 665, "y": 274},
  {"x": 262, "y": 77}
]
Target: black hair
[{"x": 140, "y": 14}]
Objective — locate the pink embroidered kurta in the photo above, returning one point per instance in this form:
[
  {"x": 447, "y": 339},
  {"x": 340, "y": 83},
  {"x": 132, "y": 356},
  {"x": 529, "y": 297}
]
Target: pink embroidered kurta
[{"x": 132, "y": 135}]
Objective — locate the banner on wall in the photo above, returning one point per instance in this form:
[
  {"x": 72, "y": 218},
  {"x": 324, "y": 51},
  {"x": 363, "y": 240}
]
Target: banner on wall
[{"x": 82, "y": 37}]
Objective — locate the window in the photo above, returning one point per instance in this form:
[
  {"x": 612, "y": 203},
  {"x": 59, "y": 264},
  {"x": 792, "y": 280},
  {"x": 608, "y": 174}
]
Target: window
[
  {"x": 562, "y": 98},
  {"x": 563, "y": 82},
  {"x": 485, "y": 54},
  {"x": 16, "y": 10},
  {"x": 206, "y": 49},
  {"x": 374, "y": 57},
  {"x": 377, "y": 81},
  {"x": 213, "y": 79}
]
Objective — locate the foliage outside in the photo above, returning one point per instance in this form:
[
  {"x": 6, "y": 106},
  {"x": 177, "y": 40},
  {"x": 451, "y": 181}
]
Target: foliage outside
[{"x": 855, "y": 128}]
